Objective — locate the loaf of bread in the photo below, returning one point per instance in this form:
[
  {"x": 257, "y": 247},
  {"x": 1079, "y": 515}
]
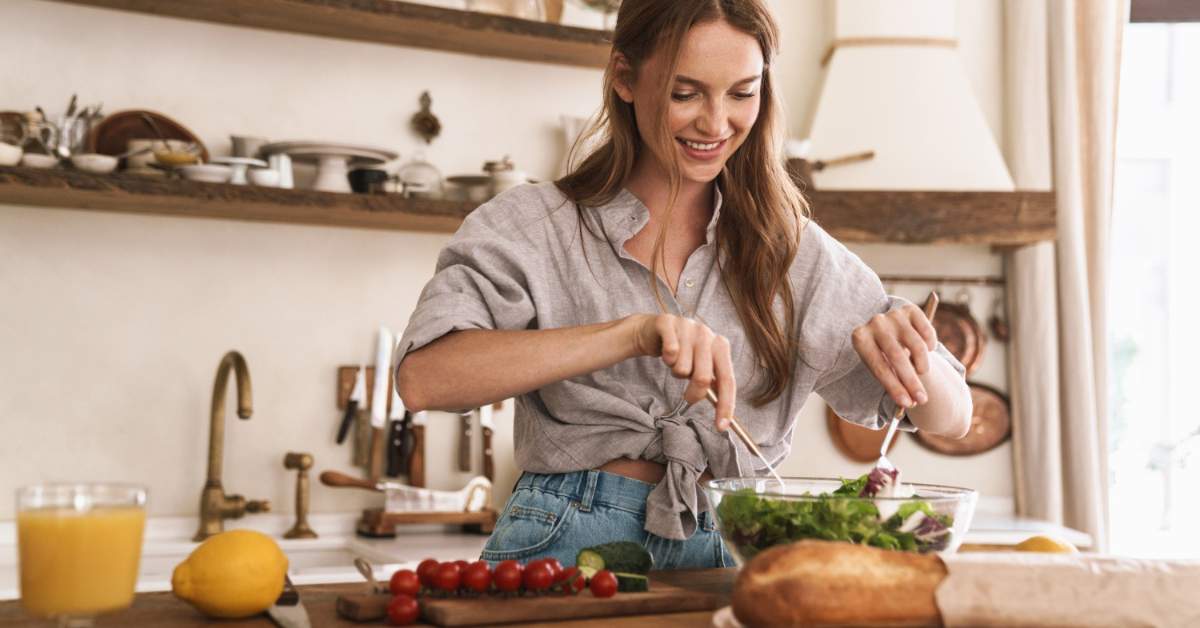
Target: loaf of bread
[{"x": 829, "y": 583}]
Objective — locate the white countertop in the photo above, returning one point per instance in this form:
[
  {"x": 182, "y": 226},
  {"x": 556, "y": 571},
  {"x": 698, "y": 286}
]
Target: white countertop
[{"x": 329, "y": 558}]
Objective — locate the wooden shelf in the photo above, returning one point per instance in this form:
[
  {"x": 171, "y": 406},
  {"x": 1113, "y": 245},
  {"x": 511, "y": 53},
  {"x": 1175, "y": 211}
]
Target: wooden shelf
[
  {"x": 996, "y": 218},
  {"x": 394, "y": 23},
  {"x": 70, "y": 189}
]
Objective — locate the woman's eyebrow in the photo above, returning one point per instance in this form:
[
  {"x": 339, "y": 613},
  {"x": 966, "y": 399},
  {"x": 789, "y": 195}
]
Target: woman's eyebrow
[{"x": 679, "y": 78}]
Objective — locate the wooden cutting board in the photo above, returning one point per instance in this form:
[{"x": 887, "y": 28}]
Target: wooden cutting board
[{"x": 670, "y": 592}]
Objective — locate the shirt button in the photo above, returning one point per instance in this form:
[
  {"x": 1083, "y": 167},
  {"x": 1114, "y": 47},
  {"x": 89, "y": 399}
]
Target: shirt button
[
  {"x": 691, "y": 283},
  {"x": 633, "y": 218}
]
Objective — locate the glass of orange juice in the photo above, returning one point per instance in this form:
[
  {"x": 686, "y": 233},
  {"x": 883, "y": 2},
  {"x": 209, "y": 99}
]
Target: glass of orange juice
[{"x": 78, "y": 548}]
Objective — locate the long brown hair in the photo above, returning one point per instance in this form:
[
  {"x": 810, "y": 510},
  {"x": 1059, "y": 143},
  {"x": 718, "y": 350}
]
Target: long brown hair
[{"x": 759, "y": 230}]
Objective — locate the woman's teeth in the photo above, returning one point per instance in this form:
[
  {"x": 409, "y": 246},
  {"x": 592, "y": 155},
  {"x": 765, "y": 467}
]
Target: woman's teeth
[{"x": 699, "y": 146}]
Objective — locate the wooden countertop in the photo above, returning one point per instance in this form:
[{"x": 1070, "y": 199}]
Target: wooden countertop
[{"x": 163, "y": 609}]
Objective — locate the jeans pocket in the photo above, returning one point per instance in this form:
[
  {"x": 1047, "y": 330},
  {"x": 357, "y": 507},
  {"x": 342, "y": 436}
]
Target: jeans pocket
[{"x": 532, "y": 521}]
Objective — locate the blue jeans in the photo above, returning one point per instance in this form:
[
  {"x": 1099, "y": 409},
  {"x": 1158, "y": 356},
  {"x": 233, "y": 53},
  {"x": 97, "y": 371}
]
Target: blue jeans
[{"x": 556, "y": 515}]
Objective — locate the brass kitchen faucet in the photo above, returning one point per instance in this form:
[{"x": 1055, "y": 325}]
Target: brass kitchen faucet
[{"x": 215, "y": 505}]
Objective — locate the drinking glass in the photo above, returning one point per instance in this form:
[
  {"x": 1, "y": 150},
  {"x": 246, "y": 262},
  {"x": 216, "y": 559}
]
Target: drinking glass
[{"x": 78, "y": 548}]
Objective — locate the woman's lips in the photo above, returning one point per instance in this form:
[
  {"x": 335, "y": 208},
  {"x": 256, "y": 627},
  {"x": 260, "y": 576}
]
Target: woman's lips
[{"x": 702, "y": 151}]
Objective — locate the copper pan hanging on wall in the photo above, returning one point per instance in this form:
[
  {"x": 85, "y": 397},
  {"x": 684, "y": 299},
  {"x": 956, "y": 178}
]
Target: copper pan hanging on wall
[
  {"x": 991, "y": 424},
  {"x": 856, "y": 442},
  {"x": 958, "y": 330}
]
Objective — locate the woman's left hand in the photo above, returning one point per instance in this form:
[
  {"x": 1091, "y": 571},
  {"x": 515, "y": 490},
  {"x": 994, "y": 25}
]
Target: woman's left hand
[{"x": 896, "y": 346}]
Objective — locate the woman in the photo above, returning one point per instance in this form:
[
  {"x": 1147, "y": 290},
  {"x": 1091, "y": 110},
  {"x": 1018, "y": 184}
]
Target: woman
[{"x": 677, "y": 257}]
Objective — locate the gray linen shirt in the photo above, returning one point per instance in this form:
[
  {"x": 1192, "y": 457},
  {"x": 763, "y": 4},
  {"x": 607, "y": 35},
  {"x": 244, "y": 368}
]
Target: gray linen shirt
[{"x": 524, "y": 261}]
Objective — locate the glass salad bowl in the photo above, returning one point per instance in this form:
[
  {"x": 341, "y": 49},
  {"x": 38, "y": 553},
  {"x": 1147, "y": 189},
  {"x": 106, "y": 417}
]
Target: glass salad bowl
[{"x": 756, "y": 513}]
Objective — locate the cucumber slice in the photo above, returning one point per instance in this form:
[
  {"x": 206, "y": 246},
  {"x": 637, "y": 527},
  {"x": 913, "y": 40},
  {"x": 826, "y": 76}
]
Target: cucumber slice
[
  {"x": 632, "y": 583},
  {"x": 589, "y": 562}
]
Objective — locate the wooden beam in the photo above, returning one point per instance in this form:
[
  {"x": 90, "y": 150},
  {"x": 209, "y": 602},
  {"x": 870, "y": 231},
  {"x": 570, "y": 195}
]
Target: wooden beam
[
  {"x": 970, "y": 217},
  {"x": 394, "y": 23},
  {"x": 69, "y": 189},
  {"x": 1164, "y": 11}
]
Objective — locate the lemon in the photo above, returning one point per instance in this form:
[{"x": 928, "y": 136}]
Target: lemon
[
  {"x": 1041, "y": 543},
  {"x": 233, "y": 574}
]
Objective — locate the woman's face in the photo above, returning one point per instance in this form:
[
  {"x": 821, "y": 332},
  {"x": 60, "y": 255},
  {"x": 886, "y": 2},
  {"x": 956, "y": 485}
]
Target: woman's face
[{"x": 715, "y": 97}]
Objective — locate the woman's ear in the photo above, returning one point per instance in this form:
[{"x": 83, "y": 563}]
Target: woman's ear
[{"x": 622, "y": 77}]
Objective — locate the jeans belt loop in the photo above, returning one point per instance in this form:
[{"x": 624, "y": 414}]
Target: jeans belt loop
[{"x": 588, "y": 481}]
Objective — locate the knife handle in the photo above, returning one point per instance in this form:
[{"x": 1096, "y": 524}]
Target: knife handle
[
  {"x": 489, "y": 465},
  {"x": 378, "y": 452},
  {"x": 394, "y": 442},
  {"x": 337, "y": 479},
  {"x": 347, "y": 420},
  {"x": 465, "y": 420},
  {"x": 416, "y": 461}
]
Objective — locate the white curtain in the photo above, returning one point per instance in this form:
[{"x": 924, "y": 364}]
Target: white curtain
[{"x": 1063, "y": 62}]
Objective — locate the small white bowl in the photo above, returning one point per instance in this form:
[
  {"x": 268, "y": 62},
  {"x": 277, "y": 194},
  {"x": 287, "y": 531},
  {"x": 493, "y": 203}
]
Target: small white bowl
[
  {"x": 94, "y": 162},
  {"x": 208, "y": 173},
  {"x": 264, "y": 177},
  {"x": 38, "y": 160},
  {"x": 10, "y": 155}
]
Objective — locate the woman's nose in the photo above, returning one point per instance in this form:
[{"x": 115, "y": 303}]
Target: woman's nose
[{"x": 712, "y": 120}]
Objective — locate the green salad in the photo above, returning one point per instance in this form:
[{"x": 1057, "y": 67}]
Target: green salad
[{"x": 754, "y": 523}]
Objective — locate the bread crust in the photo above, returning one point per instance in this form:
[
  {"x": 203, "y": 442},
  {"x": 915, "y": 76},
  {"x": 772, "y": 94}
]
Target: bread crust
[{"x": 832, "y": 583}]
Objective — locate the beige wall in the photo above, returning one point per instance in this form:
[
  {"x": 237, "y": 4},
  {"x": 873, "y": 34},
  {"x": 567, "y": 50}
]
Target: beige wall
[{"x": 111, "y": 325}]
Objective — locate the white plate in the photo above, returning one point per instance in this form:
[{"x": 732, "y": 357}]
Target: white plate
[{"x": 312, "y": 151}]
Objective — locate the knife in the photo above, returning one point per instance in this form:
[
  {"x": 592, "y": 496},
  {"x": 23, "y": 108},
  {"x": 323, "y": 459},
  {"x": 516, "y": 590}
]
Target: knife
[
  {"x": 357, "y": 395},
  {"x": 414, "y": 447},
  {"x": 395, "y": 440},
  {"x": 465, "y": 420},
  {"x": 288, "y": 611},
  {"x": 379, "y": 400},
  {"x": 487, "y": 426}
]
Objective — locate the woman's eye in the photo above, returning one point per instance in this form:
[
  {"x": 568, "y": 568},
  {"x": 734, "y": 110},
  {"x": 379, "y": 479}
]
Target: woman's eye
[
  {"x": 744, "y": 95},
  {"x": 682, "y": 96}
]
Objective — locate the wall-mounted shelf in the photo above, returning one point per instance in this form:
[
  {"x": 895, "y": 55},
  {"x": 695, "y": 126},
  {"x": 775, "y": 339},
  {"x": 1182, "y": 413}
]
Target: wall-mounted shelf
[
  {"x": 394, "y": 23},
  {"x": 996, "y": 218}
]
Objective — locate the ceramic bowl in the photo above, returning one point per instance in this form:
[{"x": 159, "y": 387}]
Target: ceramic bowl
[
  {"x": 94, "y": 162},
  {"x": 38, "y": 160},
  {"x": 144, "y": 160},
  {"x": 208, "y": 173},
  {"x": 264, "y": 177},
  {"x": 10, "y": 155}
]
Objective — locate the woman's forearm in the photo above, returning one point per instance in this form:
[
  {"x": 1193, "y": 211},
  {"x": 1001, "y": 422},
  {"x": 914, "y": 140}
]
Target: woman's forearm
[
  {"x": 470, "y": 368},
  {"x": 948, "y": 411}
]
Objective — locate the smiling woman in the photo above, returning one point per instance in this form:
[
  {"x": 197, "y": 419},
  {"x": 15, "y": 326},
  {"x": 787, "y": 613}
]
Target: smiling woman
[{"x": 676, "y": 260}]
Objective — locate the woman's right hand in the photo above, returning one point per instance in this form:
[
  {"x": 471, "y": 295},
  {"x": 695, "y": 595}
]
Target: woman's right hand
[{"x": 695, "y": 353}]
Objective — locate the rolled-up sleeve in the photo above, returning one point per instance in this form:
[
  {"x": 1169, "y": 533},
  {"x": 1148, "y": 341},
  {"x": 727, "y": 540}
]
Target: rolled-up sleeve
[{"x": 480, "y": 283}]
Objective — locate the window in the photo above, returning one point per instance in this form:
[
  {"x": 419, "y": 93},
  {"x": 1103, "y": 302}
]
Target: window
[{"x": 1154, "y": 294}]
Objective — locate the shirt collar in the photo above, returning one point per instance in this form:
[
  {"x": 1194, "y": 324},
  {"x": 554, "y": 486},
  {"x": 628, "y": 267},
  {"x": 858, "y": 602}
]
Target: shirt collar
[{"x": 626, "y": 215}]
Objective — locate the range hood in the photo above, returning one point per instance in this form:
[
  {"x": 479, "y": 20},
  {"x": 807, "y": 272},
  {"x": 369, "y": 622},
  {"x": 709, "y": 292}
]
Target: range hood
[{"x": 894, "y": 84}]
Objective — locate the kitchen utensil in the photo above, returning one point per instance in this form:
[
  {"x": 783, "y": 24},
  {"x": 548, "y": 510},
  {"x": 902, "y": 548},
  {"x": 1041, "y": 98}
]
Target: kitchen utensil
[
  {"x": 741, "y": 432},
  {"x": 465, "y": 421},
  {"x": 414, "y": 448},
  {"x": 282, "y": 163},
  {"x": 12, "y": 128},
  {"x": 803, "y": 169},
  {"x": 395, "y": 442},
  {"x": 357, "y": 396},
  {"x": 487, "y": 427},
  {"x": 408, "y": 440},
  {"x": 931, "y": 306},
  {"x": 958, "y": 330},
  {"x": 858, "y": 443},
  {"x": 246, "y": 145},
  {"x": 94, "y": 163},
  {"x": 111, "y": 135},
  {"x": 239, "y": 165},
  {"x": 504, "y": 175},
  {"x": 38, "y": 160},
  {"x": 288, "y": 611},
  {"x": 423, "y": 122},
  {"x": 264, "y": 177},
  {"x": 420, "y": 179},
  {"x": 998, "y": 322},
  {"x": 472, "y": 188},
  {"x": 677, "y": 591},
  {"x": 991, "y": 424},
  {"x": 10, "y": 154},
  {"x": 368, "y": 572},
  {"x": 368, "y": 180},
  {"x": 207, "y": 173},
  {"x": 474, "y": 496},
  {"x": 379, "y": 401},
  {"x": 760, "y": 500},
  {"x": 333, "y": 160}
]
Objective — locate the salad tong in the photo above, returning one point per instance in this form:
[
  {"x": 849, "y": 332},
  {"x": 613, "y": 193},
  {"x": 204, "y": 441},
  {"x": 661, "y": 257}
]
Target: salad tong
[
  {"x": 741, "y": 432},
  {"x": 931, "y": 304}
]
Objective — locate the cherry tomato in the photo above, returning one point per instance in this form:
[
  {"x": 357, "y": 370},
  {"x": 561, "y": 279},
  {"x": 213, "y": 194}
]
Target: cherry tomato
[
  {"x": 405, "y": 582},
  {"x": 402, "y": 610},
  {"x": 447, "y": 577},
  {"x": 572, "y": 581},
  {"x": 604, "y": 584},
  {"x": 425, "y": 571},
  {"x": 462, "y": 565},
  {"x": 508, "y": 576},
  {"x": 477, "y": 577},
  {"x": 538, "y": 577},
  {"x": 556, "y": 568}
]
